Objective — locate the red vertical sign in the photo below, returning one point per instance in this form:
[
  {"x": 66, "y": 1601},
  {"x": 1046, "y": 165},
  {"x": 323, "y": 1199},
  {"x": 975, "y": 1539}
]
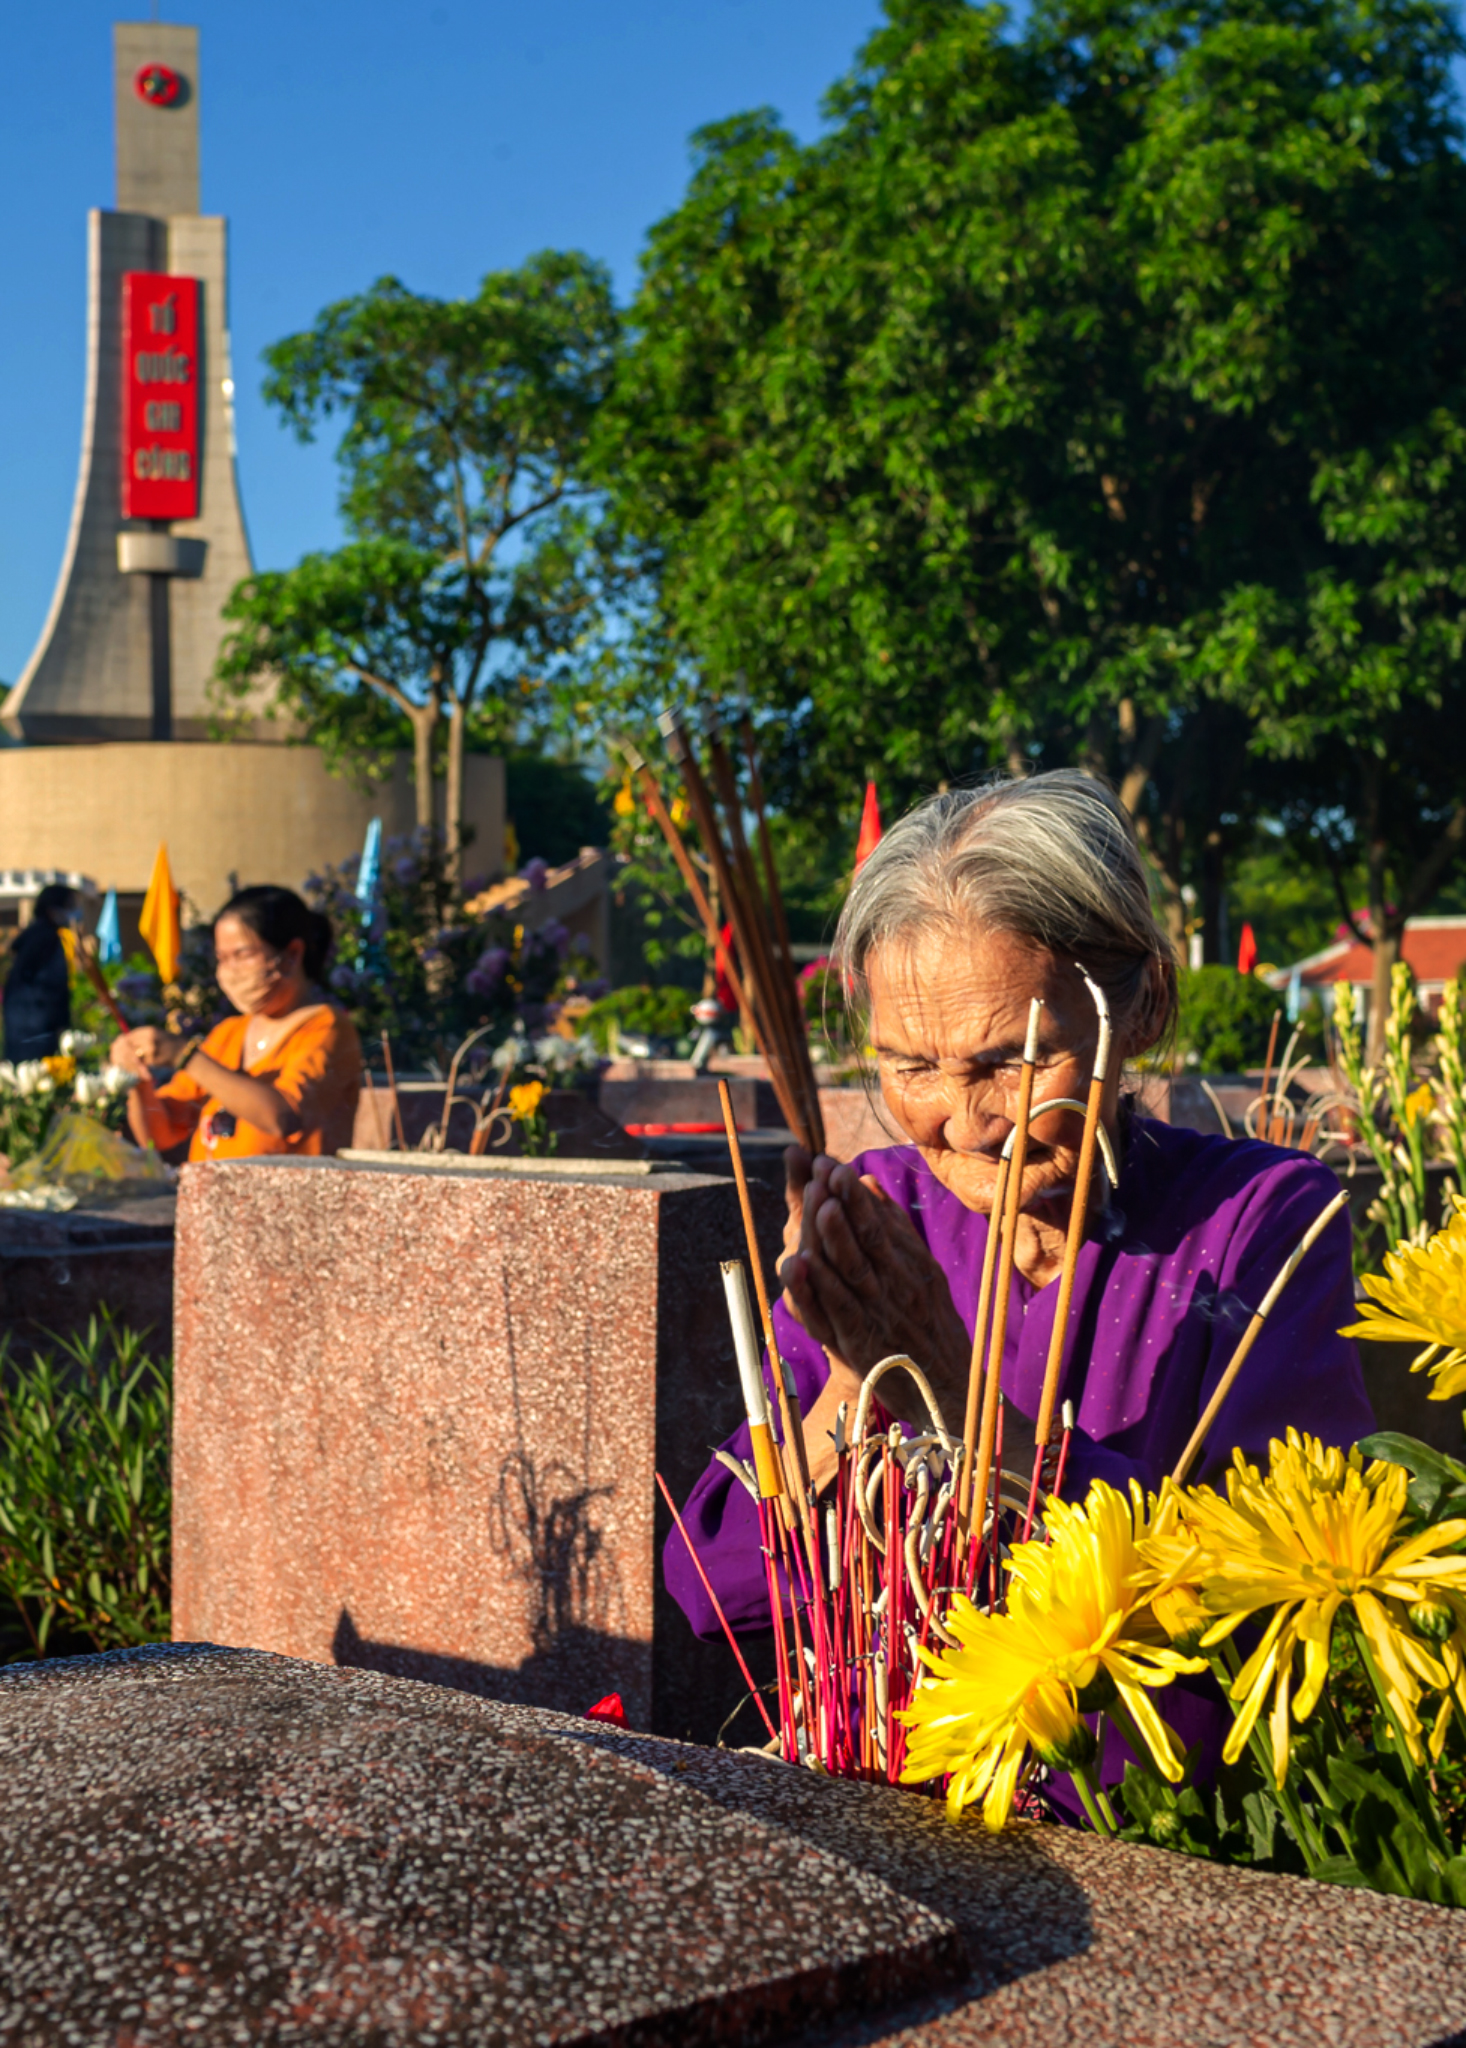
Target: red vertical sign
[{"x": 160, "y": 396}]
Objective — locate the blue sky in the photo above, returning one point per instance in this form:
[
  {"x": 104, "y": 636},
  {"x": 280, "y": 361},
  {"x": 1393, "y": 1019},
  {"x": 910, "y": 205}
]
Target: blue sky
[{"x": 434, "y": 139}]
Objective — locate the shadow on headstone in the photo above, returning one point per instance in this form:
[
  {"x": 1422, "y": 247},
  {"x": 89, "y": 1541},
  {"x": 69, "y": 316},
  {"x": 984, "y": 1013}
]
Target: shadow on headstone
[{"x": 575, "y": 1662}]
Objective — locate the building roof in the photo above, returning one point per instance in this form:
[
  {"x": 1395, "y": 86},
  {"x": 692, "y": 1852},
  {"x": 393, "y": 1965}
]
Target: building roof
[{"x": 1433, "y": 948}]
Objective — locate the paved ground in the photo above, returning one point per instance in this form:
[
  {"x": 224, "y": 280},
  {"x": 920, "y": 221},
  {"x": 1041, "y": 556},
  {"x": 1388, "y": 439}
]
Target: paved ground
[{"x": 211, "y": 1845}]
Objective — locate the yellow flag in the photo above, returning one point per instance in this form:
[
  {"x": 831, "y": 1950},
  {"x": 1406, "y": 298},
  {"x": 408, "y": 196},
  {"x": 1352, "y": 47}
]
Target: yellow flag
[{"x": 159, "y": 921}]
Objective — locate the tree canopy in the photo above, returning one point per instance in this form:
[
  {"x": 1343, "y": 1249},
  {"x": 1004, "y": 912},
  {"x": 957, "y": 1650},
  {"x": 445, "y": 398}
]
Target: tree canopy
[
  {"x": 1088, "y": 391},
  {"x": 475, "y": 559}
]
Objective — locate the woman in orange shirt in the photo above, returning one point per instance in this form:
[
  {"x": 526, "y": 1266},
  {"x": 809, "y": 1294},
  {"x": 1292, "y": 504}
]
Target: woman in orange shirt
[{"x": 282, "y": 1076}]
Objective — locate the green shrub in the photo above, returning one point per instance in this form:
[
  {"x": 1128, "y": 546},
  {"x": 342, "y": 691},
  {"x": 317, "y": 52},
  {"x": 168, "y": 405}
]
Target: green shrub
[
  {"x": 1224, "y": 1020},
  {"x": 85, "y": 1494},
  {"x": 664, "y": 1012}
]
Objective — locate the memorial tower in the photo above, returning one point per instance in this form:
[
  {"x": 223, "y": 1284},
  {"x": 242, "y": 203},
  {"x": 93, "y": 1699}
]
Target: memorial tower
[
  {"x": 157, "y": 537},
  {"x": 105, "y": 743}
]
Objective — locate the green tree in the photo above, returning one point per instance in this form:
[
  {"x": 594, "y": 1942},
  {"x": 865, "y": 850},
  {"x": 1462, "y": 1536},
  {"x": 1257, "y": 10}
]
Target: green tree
[
  {"x": 974, "y": 432},
  {"x": 1355, "y": 679},
  {"x": 476, "y": 562}
]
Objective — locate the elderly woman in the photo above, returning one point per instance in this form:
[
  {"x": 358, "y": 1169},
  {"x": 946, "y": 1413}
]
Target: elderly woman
[{"x": 975, "y": 903}]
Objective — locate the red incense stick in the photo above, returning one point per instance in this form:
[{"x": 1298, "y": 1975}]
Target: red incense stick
[{"x": 758, "y": 1698}]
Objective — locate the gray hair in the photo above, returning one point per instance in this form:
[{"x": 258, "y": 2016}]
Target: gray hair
[{"x": 1051, "y": 859}]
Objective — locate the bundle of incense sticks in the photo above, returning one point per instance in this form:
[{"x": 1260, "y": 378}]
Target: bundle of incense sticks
[
  {"x": 862, "y": 1581},
  {"x": 762, "y": 975}
]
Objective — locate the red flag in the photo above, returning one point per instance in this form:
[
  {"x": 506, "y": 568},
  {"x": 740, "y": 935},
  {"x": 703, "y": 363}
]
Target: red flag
[
  {"x": 722, "y": 987},
  {"x": 870, "y": 828},
  {"x": 1247, "y": 951},
  {"x": 609, "y": 1709}
]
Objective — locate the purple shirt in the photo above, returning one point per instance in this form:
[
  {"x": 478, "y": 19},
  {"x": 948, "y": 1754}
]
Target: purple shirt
[{"x": 1167, "y": 1282}]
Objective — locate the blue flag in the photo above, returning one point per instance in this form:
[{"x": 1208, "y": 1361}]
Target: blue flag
[
  {"x": 109, "y": 935},
  {"x": 371, "y": 862}
]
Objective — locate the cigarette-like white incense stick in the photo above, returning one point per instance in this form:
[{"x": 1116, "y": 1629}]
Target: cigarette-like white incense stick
[{"x": 751, "y": 1378}]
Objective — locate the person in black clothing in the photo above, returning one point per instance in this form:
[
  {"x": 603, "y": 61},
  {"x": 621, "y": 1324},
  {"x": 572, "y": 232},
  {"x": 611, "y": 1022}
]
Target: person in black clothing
[{"x": 38, "y": 986}]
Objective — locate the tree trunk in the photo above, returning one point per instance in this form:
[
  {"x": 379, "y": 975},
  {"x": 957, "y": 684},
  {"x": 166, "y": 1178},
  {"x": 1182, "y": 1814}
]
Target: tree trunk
[
  {"x": 453, "y": 798},
  {"x": 1386, "y": 951},
  {"x": 1166, "y": 866},
  {"x": 1213, "y": 873},
  {"x": 424, "y": 727}
]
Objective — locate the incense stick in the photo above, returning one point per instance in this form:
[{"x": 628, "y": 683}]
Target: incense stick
[
  {"x": 1253, "y": 1331},
  {"x": 392, "y": 1091},
  {"x": 678, "y": 850},
  {"x": 750, "y": 1374},
  {"x": 778, "y": 1027},
  {"x": 1074, "y": 1239},
  {"x": 979, "y": 1345},
  {"x": 1017, "y": 1145},
  {"x": 791, "y": 1415},
  {"x": 707, "y": 1584},
  {"x": 766, "y": 844},
  {"x": 1267, "y": 1065},
  {"x": 98, "y": 980}
]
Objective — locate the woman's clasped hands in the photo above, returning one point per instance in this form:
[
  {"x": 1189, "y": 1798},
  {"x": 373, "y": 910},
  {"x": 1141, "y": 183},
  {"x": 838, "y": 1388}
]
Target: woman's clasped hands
[{"x": 857, "y": 1275}]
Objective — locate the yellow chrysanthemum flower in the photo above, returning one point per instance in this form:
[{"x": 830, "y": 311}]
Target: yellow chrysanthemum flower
[
  {"x": 1319, "y": 1530},
  {"x": 1422, "y": 1298},
  {"x": 525, "y": 1100},
  {"x": 61, "y": 1067},
  {"x": 1174, "y": 1560},
  {"x": 1077, "y": 1620},
  {"x": 625, "y": 802}
]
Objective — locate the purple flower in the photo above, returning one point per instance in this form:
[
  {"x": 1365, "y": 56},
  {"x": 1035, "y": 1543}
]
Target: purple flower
[
  {"x": 405, "y": 870},
  {"x": 580, "y": 944},
  {"x": 535, "y": 872},
  {"x": 487, "y": 972}
]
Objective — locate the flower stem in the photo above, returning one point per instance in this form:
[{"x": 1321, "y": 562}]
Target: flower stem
[
  {"x": 1300, "y": 1826},
  {"x": 1424, "y": 1799},
  {"x": 1085, "y": 1786}
]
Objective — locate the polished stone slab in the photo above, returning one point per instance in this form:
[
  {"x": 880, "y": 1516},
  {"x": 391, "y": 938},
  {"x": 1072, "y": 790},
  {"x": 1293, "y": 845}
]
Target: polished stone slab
[
  {"x": 221, "y": 1846},
  {"x": 229, "y": 1847}
]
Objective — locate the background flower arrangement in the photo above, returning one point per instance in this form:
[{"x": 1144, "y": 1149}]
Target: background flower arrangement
[
  {"x": 428, "y": 966},
  {"x": 34, "y": 1094}
]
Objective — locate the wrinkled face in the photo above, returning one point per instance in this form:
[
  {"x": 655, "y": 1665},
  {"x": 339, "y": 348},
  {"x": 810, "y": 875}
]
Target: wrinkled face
[{"x": 949, "y": 1015}]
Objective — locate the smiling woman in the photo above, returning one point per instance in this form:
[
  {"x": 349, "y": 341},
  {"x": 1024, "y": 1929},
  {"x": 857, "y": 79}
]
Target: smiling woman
[{"x": 973, "y": 906}]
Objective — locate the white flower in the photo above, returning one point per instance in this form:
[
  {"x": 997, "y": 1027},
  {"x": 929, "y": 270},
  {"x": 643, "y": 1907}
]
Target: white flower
[
  {"x": 559, "y": 1055},
  {"x": 86, "y": 1090},
  {"x": 30, "y": 1077},
  {"x": 74, "y": 1042}
]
